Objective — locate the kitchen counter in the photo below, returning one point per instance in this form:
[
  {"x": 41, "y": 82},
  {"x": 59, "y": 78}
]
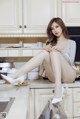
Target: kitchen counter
[
  {"x": 19, "y": 108},
  {"x": 40, "y": 83},
  {"x": 42, "y": 91}
]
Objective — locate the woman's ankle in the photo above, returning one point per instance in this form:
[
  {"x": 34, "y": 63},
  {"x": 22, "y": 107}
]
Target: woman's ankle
[{"x": 59, "y": 93}]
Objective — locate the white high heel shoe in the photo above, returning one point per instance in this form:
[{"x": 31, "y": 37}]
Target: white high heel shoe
[
  {"x": 58, "y": 99},
  {"x": 13, "y": 81}
]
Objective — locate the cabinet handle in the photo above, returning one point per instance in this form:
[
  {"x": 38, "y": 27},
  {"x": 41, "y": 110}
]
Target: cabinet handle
[
  {"x": 20, "y": 26},
  {"x": 25, "y": 26},
  {"x": 53, "y": 91}
]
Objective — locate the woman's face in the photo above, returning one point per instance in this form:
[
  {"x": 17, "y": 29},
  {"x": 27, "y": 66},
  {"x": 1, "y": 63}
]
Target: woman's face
[{"x": 56, "y": 29}]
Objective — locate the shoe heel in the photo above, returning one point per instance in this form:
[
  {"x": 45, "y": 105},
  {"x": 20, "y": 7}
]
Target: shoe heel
[{"x": 6, "y": 78}]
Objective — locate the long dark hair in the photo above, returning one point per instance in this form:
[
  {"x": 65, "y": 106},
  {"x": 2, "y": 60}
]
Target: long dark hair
[{"x": 52, "y": 38}]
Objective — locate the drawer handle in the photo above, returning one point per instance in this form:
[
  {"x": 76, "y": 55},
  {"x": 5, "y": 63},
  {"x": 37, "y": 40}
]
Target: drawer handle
[
  {"x": 25, "y": 26},
  {"x": 20, "y": 26},
  {"x": 53, "y": 91}
]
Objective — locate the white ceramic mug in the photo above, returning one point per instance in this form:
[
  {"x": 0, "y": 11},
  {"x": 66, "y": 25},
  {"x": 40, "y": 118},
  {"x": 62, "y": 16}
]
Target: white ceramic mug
[{"x": 33, "y": 75}]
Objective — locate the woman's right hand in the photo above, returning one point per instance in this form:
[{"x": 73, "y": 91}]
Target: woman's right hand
[{"x": 48, "y": 48}]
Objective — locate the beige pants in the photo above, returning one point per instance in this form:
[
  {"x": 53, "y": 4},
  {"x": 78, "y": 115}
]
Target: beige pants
[{"x": 57, "y": 68}]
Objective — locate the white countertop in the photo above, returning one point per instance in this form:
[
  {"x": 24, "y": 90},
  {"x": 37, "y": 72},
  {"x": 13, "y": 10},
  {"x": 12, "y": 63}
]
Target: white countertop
[{"x": 40, "y": 83}]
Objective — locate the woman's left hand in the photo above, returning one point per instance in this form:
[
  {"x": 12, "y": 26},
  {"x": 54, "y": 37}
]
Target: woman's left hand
[
  {"x": 48, "y": 48},
  {"x": 55, "y": 48}
]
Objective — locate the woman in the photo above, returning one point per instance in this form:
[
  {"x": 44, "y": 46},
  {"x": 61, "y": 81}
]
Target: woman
[{"x": 57, "y": 57}]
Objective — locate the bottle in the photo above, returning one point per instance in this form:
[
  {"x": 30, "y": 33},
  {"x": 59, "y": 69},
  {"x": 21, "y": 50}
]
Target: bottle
[
  {"x": 39, "y": 44},
  {"x": 21, "y": 44}
]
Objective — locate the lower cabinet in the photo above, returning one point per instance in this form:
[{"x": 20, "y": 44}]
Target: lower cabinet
[
  {"x": 77, "y": 118},
  {"x": 40, "y": 97},
  {"x": 76, "y": 101}
]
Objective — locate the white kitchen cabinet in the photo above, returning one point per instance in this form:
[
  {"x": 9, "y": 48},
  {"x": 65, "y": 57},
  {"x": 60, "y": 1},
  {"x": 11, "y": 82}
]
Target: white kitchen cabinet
[
  {"x": 40, "y": 97},
  {"x": 26, "y": 16},
  {"x": 10, "y": 16},
  {"x": 18, "y": 52},
  {"x": 41, "y": 91},
  {"x": 31, "y": 104},
  {"x": 43, "y": 95},
  {"x": 67, "y": 103},
  {"x": 69, "y": 12},
  {"x": 10, "y": 52},
  {"x": 3, "y": 53},
  {"x": 37, "y": 14},
  {"x": 13, "y": 53},
  {"x": 32, "y": 16},
  {"x": 76, "y": 97},
  {"x": 27, "y": 53}
]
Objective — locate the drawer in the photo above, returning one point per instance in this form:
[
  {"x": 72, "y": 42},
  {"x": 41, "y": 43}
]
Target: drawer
[
  {"x": 3, "y": 53},
  {"x": 13, "y": 53},
  {"x": 35, "y": 52},
  {"x": 27, "y": 52},
  {"x": 76, "y": 94},
  {"x": 76, "y": 110}
]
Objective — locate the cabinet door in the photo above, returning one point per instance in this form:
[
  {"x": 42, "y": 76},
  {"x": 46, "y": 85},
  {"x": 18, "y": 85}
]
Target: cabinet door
[
  {"x": 13, "y": 53},
  {"x": 76, "y": 98},
  {"x": 10, "y": 16},
  {"x": 70, "y": 10},
  {"x": 37, "y": 14},
  {"x": 3, "y": 53},
  {"x": 67, "y": 103},
  {"x": 41, "y": 98},
  {"x": 31, "y": 105},
  {"x": 43, "y": 95},
  {"x": 76, "y": 93}
]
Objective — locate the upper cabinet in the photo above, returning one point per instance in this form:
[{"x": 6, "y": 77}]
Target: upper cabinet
[
  {"x": 70, "y": 12},
  {"x": 26, "y": 16},
  {"x": 10, "y": 16},
  {"x": 37, "y": 14},
  {"x": 32, "y": 16}
]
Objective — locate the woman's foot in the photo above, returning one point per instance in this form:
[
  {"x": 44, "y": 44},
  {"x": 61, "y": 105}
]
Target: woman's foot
[
  {"x": 56, "y": 100},
  {"x": 59, "y": 99},
  {"x": 13, "y": 81}
]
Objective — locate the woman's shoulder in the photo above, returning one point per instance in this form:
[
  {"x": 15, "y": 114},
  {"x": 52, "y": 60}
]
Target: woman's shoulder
[{"x": 72, "y": 41}]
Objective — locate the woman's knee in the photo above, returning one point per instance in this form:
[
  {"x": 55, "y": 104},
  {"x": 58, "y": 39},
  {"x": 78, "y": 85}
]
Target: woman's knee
[{"x": 46, "y": 53}]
